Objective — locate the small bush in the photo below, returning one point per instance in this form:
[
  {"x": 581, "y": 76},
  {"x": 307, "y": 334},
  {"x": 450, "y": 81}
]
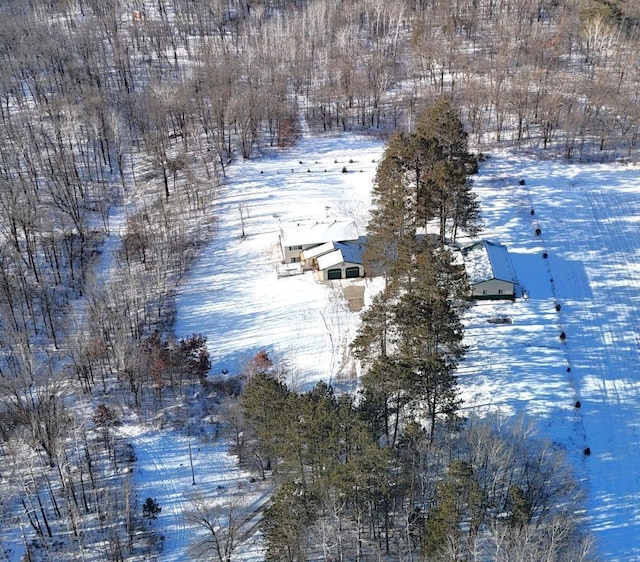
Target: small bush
[
  {"x": 532, "y": 212},
  {"x": 558, "y": 307},
  {"x": 563, "y": 336},
  {"x": 545, "y": 255},
  {"x": 578, "y": 404},
  {"x": 538, "y": 232},
  {"x": 344, "y": 169},
  {"x": 522, "y": 182},
  {"x": 151, "y": 508}
]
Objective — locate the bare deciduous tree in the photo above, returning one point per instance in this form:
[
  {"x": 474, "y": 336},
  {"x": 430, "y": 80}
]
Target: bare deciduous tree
[{"x": 220, "y": 521}]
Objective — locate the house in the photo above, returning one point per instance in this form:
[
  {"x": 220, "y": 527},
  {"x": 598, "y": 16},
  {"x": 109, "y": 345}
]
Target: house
[
  {"x": 335, "y": 260},
  {"x": 489, "y": 270},
  {"x": 298, "y": 236}
]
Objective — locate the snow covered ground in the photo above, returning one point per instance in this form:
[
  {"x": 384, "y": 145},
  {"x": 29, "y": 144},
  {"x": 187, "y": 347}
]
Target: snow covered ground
[
  {"x": 234, "y": 295},
  {"x": 177, "y": 471},
  {"x": 588, "y": 216},
  {"x": 589, "y": 220}
]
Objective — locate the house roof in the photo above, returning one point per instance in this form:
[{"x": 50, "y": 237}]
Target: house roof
[
  {"x": 300, "y": 233},
  {"x": 487, "y": 260},
  {"x": 348, "y": 252},
  {"x": 317, "y": 251}
]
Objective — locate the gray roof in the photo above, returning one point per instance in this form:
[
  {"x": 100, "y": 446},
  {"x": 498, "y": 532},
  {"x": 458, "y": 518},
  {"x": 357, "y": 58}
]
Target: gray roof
[
  {"x": 487, "y": 260},
  {"x": 348, "y": 252}
]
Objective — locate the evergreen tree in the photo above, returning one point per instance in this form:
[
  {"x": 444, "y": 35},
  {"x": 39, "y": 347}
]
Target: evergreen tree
[
  {"x": 410, "y": 342},
  {"x": 519, "y": 507},
  {"x": 384, "y": 393},
  {"x": 263, "y": 402},
  {"x": 392, "y": 227},
  {"x": 285, "y": 522},
  {"x": 320, "y": 429},
  {"x": 308, "y": 427},
  {"x": 410, "y": 338},
  {"x": 422, "y": 176},
  {"x": 430, "y": 335},
  {"x": 151, "y": 508},
  {"x": 376, "y": 333},
  {"x": 446, "y": 163},
  {"x": 458, "y": 505}
]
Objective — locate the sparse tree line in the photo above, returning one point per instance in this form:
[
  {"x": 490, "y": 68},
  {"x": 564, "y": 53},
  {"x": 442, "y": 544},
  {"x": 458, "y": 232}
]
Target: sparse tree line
[
  {"x": 395, "y": 473},
  {"x": 118, "y": 120},
  {"x": 67, "y": 474}
]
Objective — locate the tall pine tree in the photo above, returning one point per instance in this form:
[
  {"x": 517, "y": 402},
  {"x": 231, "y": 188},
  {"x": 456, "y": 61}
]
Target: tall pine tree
[
  {"x": 410, "y": 338},
  {"x": 392, "y": 227},
  {"x": 445, "y": 188},
  {"x": 422, "y": 177}
]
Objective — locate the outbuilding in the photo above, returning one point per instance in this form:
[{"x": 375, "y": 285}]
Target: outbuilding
[{"x": 490, "y": 271}]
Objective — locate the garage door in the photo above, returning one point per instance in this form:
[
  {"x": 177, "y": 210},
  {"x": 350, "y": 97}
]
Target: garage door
[
  {"x": 334, "y": 274},
  {"x": 352, "y": 272}
]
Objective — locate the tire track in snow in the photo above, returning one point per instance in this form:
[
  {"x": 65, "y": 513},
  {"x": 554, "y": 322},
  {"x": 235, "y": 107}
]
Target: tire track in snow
[
  {"x": 601, "y": 343},
  {"x": 619, "y": 345},
  {"x": 152, "y": 468}
]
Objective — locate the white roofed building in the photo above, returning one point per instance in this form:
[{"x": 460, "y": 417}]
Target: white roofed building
[
  {"x": 489, "y": 269},
  {"x": 337, "y": 260},
  {"x": 298, "y": 236}
]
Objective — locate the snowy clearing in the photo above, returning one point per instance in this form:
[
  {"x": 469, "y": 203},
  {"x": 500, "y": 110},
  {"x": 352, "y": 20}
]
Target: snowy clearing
[
  {"x": 584, "y": 390},
  {"x": 234, "y": 295},
  {"x": 588, "y": 217}
]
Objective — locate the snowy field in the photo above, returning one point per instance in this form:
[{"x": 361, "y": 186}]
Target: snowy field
[
  {"x": 588, "y": 217},
  {"x": 589, "y": 221},
  {"x": 234, "y": 295}
]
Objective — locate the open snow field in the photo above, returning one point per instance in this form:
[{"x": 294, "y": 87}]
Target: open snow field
[
  {"x": 234, "y": 295},
  {"x": 588, "y": 216}
]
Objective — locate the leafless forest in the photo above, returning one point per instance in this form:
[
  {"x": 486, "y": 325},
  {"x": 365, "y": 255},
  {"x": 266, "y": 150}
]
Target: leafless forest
[{"x": 141, "y": 106}]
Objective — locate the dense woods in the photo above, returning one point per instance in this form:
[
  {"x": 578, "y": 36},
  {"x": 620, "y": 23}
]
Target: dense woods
[
  {"x": 473, "y": 491},
  {"x": 119, "y": 120}
]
